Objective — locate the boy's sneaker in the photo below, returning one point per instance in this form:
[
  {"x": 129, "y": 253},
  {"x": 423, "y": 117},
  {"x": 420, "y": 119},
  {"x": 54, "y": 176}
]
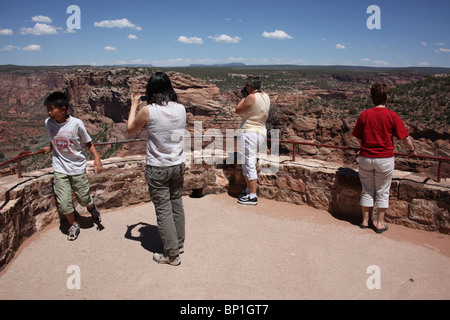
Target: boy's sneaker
[
  {"x": 74, "y": 231},
  {"x": 248, "y": 200},
  {"x": 95, "y": 214},
  {"x": 162, "y": 258}
]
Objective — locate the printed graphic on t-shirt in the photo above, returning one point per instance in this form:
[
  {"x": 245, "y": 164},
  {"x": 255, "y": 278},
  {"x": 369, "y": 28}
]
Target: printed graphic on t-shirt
[
  {"x": 67, "y": 140},
  {"x": 63, "y": 145}
]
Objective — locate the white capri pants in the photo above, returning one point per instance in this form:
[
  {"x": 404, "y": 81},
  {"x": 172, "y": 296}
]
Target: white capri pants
[
  {"x": 252, "y": 142},
  {"x": 375, "y": 175}
]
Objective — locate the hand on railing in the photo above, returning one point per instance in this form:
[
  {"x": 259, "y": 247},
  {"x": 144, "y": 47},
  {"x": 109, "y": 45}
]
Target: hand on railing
[
  {"x": 45, "y": 150},
  {"x": 411, "y": 154}
]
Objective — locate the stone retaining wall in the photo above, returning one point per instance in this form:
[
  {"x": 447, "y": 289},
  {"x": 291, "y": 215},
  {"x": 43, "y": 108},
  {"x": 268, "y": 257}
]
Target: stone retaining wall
[{"x": 28, "y": 204}]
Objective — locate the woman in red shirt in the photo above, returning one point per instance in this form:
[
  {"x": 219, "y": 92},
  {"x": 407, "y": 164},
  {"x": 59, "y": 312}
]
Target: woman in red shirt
[{"x": 375, "y": 130}]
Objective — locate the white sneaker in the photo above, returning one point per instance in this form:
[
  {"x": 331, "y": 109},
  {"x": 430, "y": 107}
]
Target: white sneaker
[
  {"x": 74, "y": 231},
  {"x": 161, "y": 258},
  {"x": 248, "y": 200}
]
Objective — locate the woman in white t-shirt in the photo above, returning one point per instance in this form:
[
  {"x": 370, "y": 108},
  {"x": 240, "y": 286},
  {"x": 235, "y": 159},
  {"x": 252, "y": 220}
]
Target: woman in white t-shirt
[{"x": 165, "y": 119}]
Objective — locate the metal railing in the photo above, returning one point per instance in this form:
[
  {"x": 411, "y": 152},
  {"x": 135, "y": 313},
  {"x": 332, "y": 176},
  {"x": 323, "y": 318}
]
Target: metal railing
[
  {"x": 25, "y": 154},
  {"x": 440, "y": 160}
]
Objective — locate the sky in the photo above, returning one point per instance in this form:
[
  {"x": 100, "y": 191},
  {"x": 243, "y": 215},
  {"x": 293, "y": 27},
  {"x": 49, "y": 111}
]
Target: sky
[{"x": 377, "y": 33}]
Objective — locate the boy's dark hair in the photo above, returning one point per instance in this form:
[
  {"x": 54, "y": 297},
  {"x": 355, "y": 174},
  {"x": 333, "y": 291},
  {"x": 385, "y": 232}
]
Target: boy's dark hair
[
  {"x": 379, "y": 93},
  {"x": 254, "y": 82},
  {"x": 57, "y": 99},
  {"x": 159, "y": 89}
]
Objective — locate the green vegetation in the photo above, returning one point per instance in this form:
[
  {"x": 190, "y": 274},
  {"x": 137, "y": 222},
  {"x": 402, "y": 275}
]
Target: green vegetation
[
  {"x": 424, "y": 103},
  {"x": 339, "y": 92},
  {"x": 285, "y": 78}
]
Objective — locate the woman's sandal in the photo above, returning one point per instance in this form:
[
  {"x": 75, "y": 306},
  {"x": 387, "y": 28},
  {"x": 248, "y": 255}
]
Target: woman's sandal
[{"x": 379, "y": 231}]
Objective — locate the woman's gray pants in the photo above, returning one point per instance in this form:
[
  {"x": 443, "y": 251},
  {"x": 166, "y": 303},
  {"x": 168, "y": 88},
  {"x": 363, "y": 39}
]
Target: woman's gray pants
[{"x": 166, "y": 188}]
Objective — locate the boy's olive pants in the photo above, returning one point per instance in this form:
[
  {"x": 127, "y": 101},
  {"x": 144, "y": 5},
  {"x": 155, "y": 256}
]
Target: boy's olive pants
[
  {"x": 166, "y": 188},
  {"x": 63, "y": 186}
]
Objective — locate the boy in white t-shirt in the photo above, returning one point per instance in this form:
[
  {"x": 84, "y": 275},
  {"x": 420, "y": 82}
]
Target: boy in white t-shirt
[{"x": 68, "y": 136}]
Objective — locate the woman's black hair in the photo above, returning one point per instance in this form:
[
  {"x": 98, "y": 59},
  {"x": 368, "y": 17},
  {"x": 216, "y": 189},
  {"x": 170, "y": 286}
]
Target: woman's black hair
[
  {"x": 159, "y": 89},
  {"x": 254, "y": 82}
]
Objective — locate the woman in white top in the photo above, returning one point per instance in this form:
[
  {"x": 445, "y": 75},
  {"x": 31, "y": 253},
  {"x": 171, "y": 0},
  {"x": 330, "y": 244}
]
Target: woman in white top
[
  {"x": 165, "y": 119},
  {"x": 254, "y": 109}
]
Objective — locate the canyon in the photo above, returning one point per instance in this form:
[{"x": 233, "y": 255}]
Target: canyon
[{"x": 318, "y": 106}]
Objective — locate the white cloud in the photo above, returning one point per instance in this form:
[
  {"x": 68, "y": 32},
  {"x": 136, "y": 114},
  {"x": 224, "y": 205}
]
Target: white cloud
[
  {"x": 441, "y": 44},
  {"x": 225, "y": 39},
  {"x": 231, "y": 19},
  {"x": 132, "y": 37},
  {"x": 40, "y": 18},
  {"x": 32, "y": 47},
  {"x": 122, "y": 23},
  {"x": 39, "y": 29},
  {"x": 424, "y": 64},
  {"x": 424, "y": 43},
  {"x": 139, "y": 61},
  {"x": 380, "y": 63},
  {"x": 109, "y": 48},
  {"x": 340, "y": 46},
  {"x": 183, "y": 62},
  {"x": 9, "y": 47},
  {"x": 191, "y": 40},
  {"x": 173, "y": 62},
  {"x": 277, "y": 35},
  {"x": 6, "y": 32},
  {"x": 236, "y": 59},
  {"x": 442, "y": 50}
]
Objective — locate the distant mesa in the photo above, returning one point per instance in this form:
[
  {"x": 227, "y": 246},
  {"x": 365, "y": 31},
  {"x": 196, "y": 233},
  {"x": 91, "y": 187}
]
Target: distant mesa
[
  {"x": 234, "y": 64},
  {"x": 129, "y": 66}
]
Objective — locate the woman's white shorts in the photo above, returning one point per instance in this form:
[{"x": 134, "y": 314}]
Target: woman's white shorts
[
  {"x": 252, "y": 142},
  {"x": 375, "y": 175}
]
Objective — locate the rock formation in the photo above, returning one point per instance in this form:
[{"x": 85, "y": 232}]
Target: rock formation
[{"x": 302, "y": 109}]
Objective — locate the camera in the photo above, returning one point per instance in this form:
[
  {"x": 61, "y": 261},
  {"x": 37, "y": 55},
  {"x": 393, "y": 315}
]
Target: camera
[
  {"x": 143, "y": 98},
  {"x": 244, "y": 92}
]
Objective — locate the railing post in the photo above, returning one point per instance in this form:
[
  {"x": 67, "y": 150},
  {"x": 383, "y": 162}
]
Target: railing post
[
  {"x": 439, "y": 171},
  {"x": 19, "y": 168},
  {"x": 294, "y": 145}
]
